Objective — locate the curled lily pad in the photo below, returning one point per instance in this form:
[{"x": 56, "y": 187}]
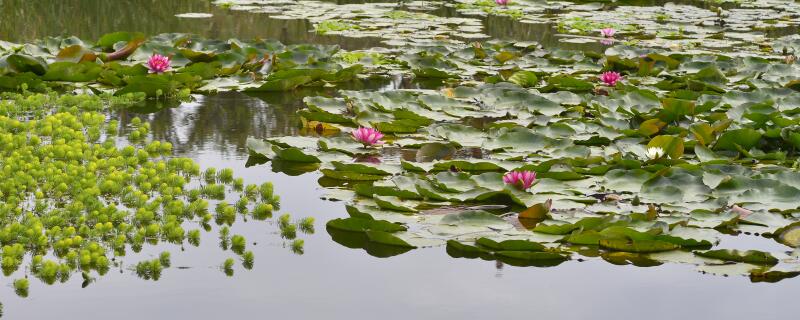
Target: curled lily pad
[
  {"x": 789, "y": 235},
  {"x": 393, "y": 203}
]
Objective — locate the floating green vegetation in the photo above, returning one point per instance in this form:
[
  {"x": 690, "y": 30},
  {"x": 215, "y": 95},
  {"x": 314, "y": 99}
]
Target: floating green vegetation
[
  {"x": 582, "y": 25},
  {"x": 397, "y": 25},
  {"x": 168, "y": 65},
  {"x": 227, "y": 266},
  {"x": 641, "y": 157},
  {"x": 149, "y": 270},
  {"x": 75, "y": 198},
  {"x": 21, "y": 287},
  {"x": 248, "y": 260},
  {"x": 297, "y": 246},
  {"x": 307, "y": 225},
  {"x": 725, "y": 25},
  {"x": 365, "y": 58},
  {"x": 329, "y": 26},
  {"x": 490, "y": 7}
]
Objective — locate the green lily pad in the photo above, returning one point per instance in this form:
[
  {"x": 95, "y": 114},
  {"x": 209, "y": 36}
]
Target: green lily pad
[
  {"x": 749, "y": 256},
  {"x": 363, "y": 225}
]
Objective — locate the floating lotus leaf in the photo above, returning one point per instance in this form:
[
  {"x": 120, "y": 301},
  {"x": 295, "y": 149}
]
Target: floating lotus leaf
[
  {"x": 363, "y": 225},
  {"x": 73, "y": 72},
  {"x": 474, "y": 218},
  {"x": 738, "y": 140},
  {"x": 789, "y": 235},
  {"x": 510, "y": 245},
  {"x": 536, "y": 259},
  {"x": 387, "y": 239},
  {"x": 524, "y": 79},
  {"x": 749, "y": 256},
  {"x": 459, "y": 250},
  {"x": 639, "y": 246}
]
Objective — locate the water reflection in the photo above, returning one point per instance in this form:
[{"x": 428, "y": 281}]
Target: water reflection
[
  {"x": 25, "y": 20},
  {"x": 223, "y": 122},
  {"x": 332, "y": 278}
]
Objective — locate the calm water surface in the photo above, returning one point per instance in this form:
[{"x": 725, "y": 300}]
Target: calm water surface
[{"x": 332, "y": 281}]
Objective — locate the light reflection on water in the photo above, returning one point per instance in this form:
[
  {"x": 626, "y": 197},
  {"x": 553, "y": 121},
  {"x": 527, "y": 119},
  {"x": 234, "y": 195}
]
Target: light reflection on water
[
  {"x": 331, "y": 281},
  {"x": 335, "y": 282}
]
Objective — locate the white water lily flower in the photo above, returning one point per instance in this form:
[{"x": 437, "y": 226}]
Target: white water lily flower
[{"x": 654, "y": 152}]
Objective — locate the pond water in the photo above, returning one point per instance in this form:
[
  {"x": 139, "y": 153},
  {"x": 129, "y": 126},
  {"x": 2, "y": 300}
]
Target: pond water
[{"x": 330, "y": 280}]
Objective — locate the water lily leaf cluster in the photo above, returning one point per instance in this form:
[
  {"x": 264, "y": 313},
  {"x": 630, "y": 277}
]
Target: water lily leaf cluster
[
  {"x": 117, "y": 63},
  {"x": 723, "y": 126},
  {"x": 396, "y": 24},
  {"x": 702, "y": 26}
]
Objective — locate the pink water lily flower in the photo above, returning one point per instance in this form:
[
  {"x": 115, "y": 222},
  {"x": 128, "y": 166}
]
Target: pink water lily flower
[
  {"x": 368, "y": 136},
  {"x": 521, "y": 179},
  {"x": 610, "y": 78},
  {"x": 158, "y": 63},
  {"x": 501, "y": 2},
  {"x": 608, "y": 32}
]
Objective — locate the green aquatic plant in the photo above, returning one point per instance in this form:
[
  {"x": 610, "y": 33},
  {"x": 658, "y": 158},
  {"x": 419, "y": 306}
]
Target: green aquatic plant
[
  {"x": 251, "y": 191},
  {"x": 184, "y": 64},
  {"x": 307, "y": 225},
  {"x": 655, "y": 166},
  {"x": 225, "y": 214},
  {"x": 284, "y": 220},
  {"x": 297, "y": 246},
  {"x": 238, "y": 184},
  {"x": 225, "y": 175},
  {"x": 77, "y": 197},
  {"x": 164, "y": 258},
  {"x": 224, "y": 237},
  {"x": 193, "y": 237},
  {"x": 289, "y": 231},
  {"x": 373, "y": 58},
  {"x": 248, "y": 260},
  {"x": 329, "y": 26},
  {"x": 241, "y": 205},
  {"x": 238, "y": 244},
  {"x": 262, "y": 211},
  {"x": 210, "y": 175},
  {"x": 21, "y": 287},
  {"x": 266, "y": 191},
  {"x": 149, "y": 269},
  {"x": 586, "y": 26},
  {"x": 227, "y": 266}
]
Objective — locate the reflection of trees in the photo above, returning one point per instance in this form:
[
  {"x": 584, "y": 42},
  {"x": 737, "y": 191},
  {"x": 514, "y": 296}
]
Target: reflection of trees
[
  {"x": 223, "y": 122},
  {"x": 25, "y": 20}
]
